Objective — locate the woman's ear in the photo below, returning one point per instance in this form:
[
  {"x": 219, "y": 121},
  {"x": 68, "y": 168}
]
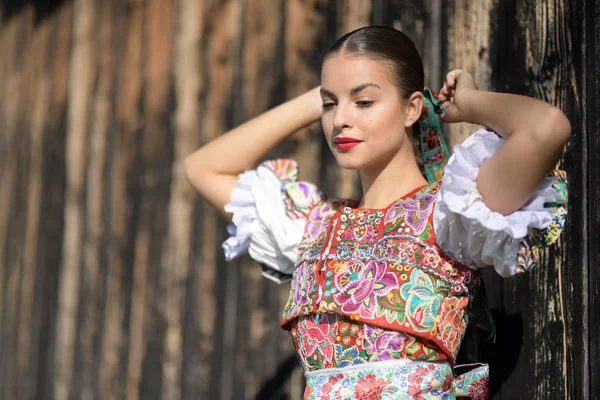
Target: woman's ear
[{"x": 414, "y": 106}]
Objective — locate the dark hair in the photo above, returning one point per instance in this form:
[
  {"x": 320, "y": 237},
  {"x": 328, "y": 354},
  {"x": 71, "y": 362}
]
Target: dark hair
[
  {"x": 390, "y": 45},
  {"x": 399, "y": 52}
]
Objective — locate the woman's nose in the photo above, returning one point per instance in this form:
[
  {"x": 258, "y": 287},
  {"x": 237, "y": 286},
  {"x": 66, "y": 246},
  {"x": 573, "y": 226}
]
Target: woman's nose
[{"x": 341, "y": 118}]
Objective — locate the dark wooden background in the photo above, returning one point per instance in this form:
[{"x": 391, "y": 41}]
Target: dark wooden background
[{"x": 112, "y": 280}]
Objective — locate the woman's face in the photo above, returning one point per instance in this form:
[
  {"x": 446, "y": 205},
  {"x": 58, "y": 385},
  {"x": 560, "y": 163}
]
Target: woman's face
[{"x": 364, "y": 117}]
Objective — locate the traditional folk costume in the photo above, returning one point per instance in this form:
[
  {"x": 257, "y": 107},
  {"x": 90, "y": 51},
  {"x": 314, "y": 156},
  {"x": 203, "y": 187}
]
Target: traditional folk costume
[{"x": 380, "y": 298}]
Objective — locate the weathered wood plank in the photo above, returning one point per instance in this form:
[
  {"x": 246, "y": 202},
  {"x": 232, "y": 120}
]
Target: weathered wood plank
[
  {"x": 12, "y": 33},
  {"x": 188, "y": 69},
  {"x": 38, "y": 95},
  {"x": 468, "y": 49},
  {"x": 121, "y": 200},
  {"x": 161, "y": 321},
  {"x": 92, "y": 286},
  {"x": 591, "y": 116},
  {"x": 83, "y": 70},
  {"x": 53, "y": 213},
  {"x": 18, "y": 305}
]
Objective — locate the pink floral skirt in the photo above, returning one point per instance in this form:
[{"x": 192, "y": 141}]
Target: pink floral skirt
[{"x": 397, "y": 379}]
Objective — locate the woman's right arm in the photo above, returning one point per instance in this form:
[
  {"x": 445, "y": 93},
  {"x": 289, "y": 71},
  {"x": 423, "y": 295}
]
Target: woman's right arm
[{"x": 213, "y": 169}]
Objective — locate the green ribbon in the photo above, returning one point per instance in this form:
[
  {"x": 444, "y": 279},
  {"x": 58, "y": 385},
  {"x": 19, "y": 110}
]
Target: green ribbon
[{"x": 433, "y": 146}]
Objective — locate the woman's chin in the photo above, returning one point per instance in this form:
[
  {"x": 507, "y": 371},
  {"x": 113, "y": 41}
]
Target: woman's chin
[{"x": 348, "y": 162}]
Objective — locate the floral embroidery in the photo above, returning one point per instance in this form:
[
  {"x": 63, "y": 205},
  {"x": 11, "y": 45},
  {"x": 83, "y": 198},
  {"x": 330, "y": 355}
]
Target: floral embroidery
[
  {"x": 539, "y": 239},
  {"x": 431, "y": 259},
  {"x": 356, "y": 343},
  {"x": 415, "y": 211},
  {"x": 317, "y": 219},
  {"x": 358, "y": 290},
  {"x": 317, "y": 339},
  {"x": 392, "y": 307},
  {"x": 285, "y": 170},
  {"x": 418, "y": 380},
  {"x": 452, "y": 322},
  {"x": 474, "y": 384},
  {"x": 354, "y": 265},
  {"x": 432, "y": 140},
  {"x": 479, "y": 389},
  {"x": 422, "y": 301},
  {"x": 299, "y": 197},
  {"x": 356, "y": 233},
  {"x": 370, "y": 387},
  {"x": 302, "y": 289},
  {"x": 384, "y": 344}
]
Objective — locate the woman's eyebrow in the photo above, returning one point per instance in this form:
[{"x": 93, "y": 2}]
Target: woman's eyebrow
[
  {"x": 361, "y": 87},
  {"x": 353, "y": 91},
  {"x": 326, "y": 92}
]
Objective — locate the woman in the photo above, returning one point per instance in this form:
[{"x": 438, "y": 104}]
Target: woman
[{"x": 383, "y": 288}]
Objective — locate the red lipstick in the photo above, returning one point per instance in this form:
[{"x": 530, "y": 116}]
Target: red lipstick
[{"x": 346, "y": 143}]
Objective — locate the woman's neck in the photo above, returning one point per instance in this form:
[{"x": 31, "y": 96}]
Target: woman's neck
[{"x": 383, "y": 184}]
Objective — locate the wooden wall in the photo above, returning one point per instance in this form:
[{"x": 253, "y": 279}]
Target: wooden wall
[{"x": 112, "y": 280}]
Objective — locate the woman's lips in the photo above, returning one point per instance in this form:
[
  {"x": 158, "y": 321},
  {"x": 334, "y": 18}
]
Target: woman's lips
[{"x": 346, "y": 143}]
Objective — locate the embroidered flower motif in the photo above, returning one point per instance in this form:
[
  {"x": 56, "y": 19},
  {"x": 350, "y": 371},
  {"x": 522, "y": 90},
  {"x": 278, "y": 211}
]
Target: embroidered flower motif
[
  {"x": 329, "y": 385},
  {"x": 422, "y": 301},
  {"x": 308, "y": 392},
  {"x": 358, "y": 294},
  {"x": 300, "y": 290},
  {"x": 370, "y": 388},
  {"x": 432, "y": 140},
  {"x": 284, "y": 169},
  {"x": 318, "y": 221},
  {"x": 436, "y": 158},
  {"x": 382, "y": 344},
  {"x": 452, "y": 322},
  {"x": 478, "y": 390},
  {"x": 430, "y": 258},
  {"x": 302, "y": 196},
  {"x": 527, "y": 257},
  {"x": 415, "y": 210},
  {"x": 416, "y": 384},
  {"x": 363, "y": 233},
  {"x": 317, "y": 338}
]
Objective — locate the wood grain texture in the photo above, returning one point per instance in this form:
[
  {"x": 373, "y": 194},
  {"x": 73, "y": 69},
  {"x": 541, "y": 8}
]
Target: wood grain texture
[
  {"x": 591, "y": 123},
  {"x": 82, "y": 74},
  {"x": 468, "y": 49},
  {"x": 113, "y": 280}
]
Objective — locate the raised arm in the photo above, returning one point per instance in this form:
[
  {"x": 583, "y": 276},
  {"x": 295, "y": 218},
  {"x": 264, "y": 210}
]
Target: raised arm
[
  {"x": 535, "y": 133},
  {"x": 213, "y": 169}
]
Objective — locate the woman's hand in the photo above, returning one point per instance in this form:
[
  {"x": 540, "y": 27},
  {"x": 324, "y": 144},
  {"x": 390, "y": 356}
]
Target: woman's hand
[{"x": 455, "y": 94}]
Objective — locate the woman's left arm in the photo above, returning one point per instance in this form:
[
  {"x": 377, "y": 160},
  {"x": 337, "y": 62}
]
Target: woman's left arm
[{"x": 535, "y": 132}]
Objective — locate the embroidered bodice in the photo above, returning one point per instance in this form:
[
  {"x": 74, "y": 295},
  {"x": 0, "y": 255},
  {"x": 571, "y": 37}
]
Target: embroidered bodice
[{"x": 383, "y": 268}]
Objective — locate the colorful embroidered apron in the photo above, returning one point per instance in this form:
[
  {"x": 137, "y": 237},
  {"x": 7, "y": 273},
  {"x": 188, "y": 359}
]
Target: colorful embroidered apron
[{"x": 396, "y": 380}]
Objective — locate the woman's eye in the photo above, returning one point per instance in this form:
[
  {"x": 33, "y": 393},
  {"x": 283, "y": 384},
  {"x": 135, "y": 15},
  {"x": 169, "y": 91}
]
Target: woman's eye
[
  {"x": 364, "y": 103},
  {"x": 327, "y": 106}
]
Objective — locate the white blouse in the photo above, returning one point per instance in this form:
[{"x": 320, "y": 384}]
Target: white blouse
[{"x": 465, "y": 228}]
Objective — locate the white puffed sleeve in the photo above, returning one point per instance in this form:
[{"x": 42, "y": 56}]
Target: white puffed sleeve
[
  {"x": 468, "y": 231},
  {"x": 269, "y": 210}
]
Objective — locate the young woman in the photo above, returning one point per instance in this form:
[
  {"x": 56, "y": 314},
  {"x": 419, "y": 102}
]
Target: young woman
[{"x": 383, "y": 288}]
